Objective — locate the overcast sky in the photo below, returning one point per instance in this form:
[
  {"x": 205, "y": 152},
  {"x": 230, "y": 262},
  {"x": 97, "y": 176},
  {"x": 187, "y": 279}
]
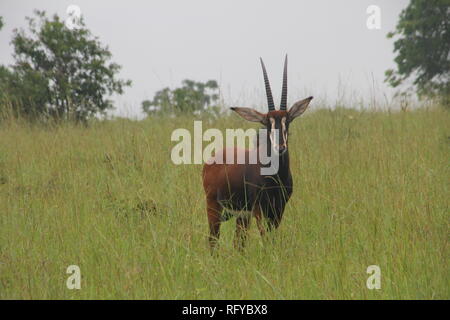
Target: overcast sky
[{"x": 331, "y": 51}]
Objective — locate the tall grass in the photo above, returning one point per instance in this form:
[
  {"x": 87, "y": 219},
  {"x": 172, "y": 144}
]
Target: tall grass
[{"x": 370, "y": 188}]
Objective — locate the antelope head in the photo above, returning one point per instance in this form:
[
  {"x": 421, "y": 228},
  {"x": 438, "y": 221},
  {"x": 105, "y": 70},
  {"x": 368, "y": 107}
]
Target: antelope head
[{"x": 276, "y": 121}]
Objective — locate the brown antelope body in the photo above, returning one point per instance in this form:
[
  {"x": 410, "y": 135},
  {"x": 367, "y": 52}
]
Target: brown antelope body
[{"x": 235, "y": 187}]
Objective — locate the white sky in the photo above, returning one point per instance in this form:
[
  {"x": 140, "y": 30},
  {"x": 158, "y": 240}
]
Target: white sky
[{"x": 159, "y": 43}]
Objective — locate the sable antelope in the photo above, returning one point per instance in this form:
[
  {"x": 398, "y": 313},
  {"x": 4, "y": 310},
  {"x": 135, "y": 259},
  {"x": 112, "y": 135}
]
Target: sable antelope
[{"x": 242, "y": 187}]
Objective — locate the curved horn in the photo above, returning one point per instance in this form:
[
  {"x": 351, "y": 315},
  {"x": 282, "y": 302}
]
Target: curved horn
[
  {"x": 283, "y": 102},
  {"x": 270, "y": 103}
]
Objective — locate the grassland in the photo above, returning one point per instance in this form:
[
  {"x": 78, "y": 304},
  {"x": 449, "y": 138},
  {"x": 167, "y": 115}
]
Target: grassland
[{"x": 370, "y": 188}]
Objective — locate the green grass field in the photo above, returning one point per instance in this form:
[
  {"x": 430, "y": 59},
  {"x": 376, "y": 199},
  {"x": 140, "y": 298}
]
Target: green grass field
[{"x": 370, "y": 188}]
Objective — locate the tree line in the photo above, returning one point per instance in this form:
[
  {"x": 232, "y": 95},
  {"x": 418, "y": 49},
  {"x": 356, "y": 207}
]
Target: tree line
[{"x": 68, "y": 74}]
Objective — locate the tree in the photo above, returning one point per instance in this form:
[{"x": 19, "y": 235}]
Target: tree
[
  {"x": 60, "y": 72},
  {"x": 28, "y": 94},
  {"x": 191, "y": 97},
  {"x": 163, "y": 101},
  {"x": 422, "y": 48}
]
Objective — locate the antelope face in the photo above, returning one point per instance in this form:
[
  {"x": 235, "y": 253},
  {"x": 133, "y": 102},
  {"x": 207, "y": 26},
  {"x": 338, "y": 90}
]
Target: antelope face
[
  {"x": 277, "y": 128},
  {"x": 276, "y": 122}
]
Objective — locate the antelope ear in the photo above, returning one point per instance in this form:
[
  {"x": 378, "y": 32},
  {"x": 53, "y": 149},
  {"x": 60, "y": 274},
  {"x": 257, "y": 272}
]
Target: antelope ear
[
  {"x": 298, "y": 108},
  {"x": 251, "y": 115}
]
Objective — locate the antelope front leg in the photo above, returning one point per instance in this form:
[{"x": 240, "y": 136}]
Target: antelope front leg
[
  {"x": 259, "y": 220},
  {"x": 214, "y": 210},
  {"x": 242, "y": 224}
]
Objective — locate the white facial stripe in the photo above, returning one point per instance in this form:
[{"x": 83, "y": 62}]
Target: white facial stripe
[
  {"x": 272, "y": 132},
  {"x": 283, "y": 126}
]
